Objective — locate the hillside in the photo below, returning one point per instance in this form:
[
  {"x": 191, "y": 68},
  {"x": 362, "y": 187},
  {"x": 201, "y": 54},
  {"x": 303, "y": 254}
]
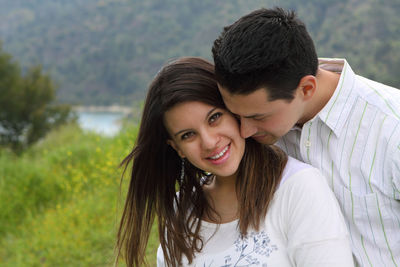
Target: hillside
[{"x": 106, "y": 52}]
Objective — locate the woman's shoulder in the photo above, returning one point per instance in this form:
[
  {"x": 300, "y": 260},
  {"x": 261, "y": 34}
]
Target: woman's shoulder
[
  {"x": 300, "y": 174},
  {"x": 294, "y": 167},
  {"x": 305, "y": 192}
]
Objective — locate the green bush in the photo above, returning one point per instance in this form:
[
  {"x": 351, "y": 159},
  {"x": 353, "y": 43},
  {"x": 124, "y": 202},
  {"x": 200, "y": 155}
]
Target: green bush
[{"x": 60, "y": 202}]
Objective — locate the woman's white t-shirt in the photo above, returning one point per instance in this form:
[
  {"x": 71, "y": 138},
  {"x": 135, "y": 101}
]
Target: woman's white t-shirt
[{"x": 303, "y": 227}]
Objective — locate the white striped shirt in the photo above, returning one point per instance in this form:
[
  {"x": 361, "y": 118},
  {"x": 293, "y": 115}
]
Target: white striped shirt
[{"x": 355, "y": 141}]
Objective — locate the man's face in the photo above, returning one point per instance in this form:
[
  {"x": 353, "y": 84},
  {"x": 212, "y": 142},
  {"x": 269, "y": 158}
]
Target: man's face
[{"x": 265, "y": 121}]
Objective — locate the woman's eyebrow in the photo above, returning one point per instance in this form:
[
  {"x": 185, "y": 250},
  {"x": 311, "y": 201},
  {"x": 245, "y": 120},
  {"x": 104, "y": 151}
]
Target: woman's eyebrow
[{"x": 211, "y": 111}]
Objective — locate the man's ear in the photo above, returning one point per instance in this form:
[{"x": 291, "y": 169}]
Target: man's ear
[
  {"x": 308, "y": 86},
  {"x": 175, "y": 147}
]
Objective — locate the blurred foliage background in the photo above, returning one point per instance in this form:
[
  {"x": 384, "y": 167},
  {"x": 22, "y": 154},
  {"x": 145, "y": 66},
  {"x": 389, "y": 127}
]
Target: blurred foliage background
[
  {"x": 61, "y": 199},
  {"x": 60, "y": 202},
  {"x": 27, "y": 107},
  {"x": 106, "y": 51}
]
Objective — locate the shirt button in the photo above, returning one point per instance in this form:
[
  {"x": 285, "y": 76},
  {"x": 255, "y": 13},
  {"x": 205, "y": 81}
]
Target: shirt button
[{"x": 307, "y": 143}]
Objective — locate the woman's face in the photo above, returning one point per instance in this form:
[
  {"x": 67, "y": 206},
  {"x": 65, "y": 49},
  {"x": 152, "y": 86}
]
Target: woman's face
[{"x": 207, "y": 136}]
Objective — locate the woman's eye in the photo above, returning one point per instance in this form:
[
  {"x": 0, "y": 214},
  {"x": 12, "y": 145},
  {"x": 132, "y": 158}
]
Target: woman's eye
[
  {"x": 187, "y": 135},
  {"x": 215, "y": 117}
]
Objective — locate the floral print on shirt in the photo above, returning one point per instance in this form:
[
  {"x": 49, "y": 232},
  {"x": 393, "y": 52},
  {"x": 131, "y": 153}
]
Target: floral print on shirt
[{"x": 250, "y": 250}]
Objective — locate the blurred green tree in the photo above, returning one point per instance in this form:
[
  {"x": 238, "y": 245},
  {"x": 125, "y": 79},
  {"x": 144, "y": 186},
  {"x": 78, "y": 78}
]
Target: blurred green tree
[{"x": 27, "y": 107}]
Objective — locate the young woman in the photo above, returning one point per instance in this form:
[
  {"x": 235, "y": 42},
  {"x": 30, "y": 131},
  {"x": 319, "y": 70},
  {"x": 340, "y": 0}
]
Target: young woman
[{"x": 220, "y": 200}]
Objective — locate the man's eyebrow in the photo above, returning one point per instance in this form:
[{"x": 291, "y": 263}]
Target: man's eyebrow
[{"x": 253, "y": 116}]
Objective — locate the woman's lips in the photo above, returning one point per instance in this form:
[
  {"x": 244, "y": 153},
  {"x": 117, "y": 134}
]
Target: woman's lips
[{"x": 220, "y": 157}]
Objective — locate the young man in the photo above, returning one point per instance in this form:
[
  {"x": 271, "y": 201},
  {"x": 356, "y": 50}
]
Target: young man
[{"x": 321, "y": 112}]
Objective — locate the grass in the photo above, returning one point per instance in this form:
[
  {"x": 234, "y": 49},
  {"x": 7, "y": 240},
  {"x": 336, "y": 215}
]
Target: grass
[{"x": 60, "y": 202}]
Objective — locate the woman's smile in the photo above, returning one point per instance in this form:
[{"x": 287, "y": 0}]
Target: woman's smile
[{"x": 220, "y": 157}]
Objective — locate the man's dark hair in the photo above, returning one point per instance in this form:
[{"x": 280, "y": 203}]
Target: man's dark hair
[{"x": 268, "y": 48}]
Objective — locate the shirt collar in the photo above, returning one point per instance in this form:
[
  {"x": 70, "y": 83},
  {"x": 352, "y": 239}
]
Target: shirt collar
[{"x": 338, "y": 108}]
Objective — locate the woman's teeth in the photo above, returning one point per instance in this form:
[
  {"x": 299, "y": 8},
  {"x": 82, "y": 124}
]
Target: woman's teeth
[{"x": 220, "y": 154}]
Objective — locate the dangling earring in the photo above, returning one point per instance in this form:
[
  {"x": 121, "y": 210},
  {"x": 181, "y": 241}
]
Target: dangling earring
[
  {"x": 182, "y": 170},
  {"x": 206, "y": 178}
]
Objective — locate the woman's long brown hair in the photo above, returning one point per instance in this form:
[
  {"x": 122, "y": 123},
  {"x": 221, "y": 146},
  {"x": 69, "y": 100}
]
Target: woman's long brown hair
[{"x": 156, "y": 169}]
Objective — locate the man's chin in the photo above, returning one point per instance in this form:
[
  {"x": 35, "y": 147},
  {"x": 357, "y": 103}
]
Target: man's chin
[{"x": 265, "y": 139}]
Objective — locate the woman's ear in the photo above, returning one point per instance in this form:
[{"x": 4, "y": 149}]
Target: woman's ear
[{"x": 175, "y": 147}]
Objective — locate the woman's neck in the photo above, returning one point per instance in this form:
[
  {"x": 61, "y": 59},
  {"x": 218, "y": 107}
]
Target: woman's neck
[{"x": 221, "y": 195}]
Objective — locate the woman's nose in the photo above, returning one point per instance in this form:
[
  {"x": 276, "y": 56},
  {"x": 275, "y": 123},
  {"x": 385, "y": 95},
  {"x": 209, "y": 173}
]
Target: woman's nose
[{"x": 209, "y": 139}]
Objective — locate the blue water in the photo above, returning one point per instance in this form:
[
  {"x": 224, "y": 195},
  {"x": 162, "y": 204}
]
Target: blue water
[{"x": 104, "y": 123}]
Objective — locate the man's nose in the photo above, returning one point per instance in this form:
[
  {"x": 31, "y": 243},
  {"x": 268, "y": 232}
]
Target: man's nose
[{"x": 247, "y": 129}]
